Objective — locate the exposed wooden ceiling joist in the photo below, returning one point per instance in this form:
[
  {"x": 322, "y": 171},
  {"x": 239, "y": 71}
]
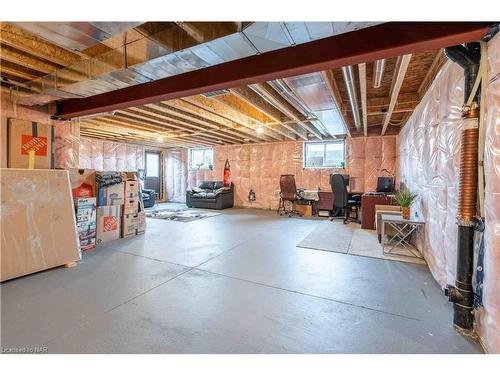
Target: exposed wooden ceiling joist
[
  {"x": 225, "y": 111},
  {"x": 337, "y": 98},
  {"x": 289, "y": 110},
  {"x": 399, "y": 76},
  {"x": 23, "y": 41},
  {"x": 385, "y": 40},
  {"x": 258, "y": 102}
]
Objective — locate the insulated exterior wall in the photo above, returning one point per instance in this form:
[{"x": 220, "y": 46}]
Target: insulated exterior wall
[
  {"x": 110, "y": 156},
  {"x": 429, "y": 157},
  {"x": 429, "y": 149},
  {"x": 489, "y": 316},
  {"x": 259, "y": 166}
]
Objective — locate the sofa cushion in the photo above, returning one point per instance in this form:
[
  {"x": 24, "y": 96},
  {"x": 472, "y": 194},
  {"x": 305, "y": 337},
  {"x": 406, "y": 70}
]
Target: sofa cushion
[
  {"x": 204, "y": 195},
  {"x": 218, "y": 185},
  {"x": 220, "y": 190},
  {"x": 206, "y": 185}
]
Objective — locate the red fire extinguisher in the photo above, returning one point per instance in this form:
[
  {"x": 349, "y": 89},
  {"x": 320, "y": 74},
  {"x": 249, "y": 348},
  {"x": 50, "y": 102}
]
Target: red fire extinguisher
[{"x": 227, "y": 174}]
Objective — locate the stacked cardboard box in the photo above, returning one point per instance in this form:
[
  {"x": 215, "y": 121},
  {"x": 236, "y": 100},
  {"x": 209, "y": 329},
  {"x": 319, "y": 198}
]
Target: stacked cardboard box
[
  {"x": 134, "y": 218},
  {"x": 117, "y": 206},
  {"x": 110, "y": 199}
]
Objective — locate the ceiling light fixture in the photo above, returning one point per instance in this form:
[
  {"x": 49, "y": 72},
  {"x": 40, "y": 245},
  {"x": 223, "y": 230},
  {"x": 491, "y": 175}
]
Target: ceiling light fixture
[{"x": 260, "y": 129}]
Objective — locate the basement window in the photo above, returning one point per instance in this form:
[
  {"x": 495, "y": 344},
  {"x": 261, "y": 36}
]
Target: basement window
[
  {"x": 201, "y": 158},
  {"x": 329, "y": 154}
]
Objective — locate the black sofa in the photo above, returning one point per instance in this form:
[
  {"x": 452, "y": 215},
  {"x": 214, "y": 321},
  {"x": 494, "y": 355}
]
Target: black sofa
[{"x": 212, "y": 195}]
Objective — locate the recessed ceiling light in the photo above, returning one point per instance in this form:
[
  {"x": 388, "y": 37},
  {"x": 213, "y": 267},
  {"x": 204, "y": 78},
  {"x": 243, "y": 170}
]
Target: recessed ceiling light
[{"x": 260, "y": 129}]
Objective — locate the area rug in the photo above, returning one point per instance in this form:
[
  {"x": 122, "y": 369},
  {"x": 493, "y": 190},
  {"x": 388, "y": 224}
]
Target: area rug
[
  {"x": 329, "y": 236},
  {"x": 179, "y": 214},
  {"x": 352, "y": 240}
]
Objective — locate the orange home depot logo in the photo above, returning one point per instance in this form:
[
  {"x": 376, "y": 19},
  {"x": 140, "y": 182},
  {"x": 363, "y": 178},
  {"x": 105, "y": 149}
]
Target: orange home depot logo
[
  {"x": 37, "y": 144},
  {"x": 110, "y": 223}
]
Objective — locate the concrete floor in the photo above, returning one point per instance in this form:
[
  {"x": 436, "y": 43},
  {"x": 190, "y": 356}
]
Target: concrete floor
[{"x": 234, "y": 283}]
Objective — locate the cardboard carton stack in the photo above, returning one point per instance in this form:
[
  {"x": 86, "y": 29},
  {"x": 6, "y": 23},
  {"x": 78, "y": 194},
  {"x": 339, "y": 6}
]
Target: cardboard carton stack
[
  {"x": 110, "y": 199},
  {"x": 108, "y": 206},
  {"x": 134, "y": 218}
]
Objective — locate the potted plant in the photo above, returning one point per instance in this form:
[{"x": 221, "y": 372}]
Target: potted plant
[{"x": 405, "y": 198}]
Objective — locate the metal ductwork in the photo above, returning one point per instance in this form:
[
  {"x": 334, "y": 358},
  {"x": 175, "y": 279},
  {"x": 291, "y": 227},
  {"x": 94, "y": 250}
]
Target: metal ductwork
[
  {"x": 348, "y": 74},
  {"x": 147, "y": 59},
  {"x": 461, "y": 294},
  {"x": 76, "y": 36},
  {"x": 378, "y": 72}
]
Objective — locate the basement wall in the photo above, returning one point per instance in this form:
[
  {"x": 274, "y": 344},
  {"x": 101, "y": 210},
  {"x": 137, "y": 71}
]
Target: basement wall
[
  {"x": 259, "y": 166},
  {"x": 110, "y": 156},
  {"x": 67, "y": 134},
  {"x": 429, "y": 158}
]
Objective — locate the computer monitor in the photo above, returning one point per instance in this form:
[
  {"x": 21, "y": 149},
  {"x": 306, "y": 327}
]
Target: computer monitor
[{"x": 385, "y": 184}]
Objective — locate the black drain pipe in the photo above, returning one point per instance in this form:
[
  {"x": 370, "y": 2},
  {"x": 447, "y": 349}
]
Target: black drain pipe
[{"x": 462, "y": 295}]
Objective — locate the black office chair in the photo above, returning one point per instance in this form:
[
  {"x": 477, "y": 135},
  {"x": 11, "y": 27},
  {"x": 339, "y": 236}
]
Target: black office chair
[{"x": 342, "y": 200}]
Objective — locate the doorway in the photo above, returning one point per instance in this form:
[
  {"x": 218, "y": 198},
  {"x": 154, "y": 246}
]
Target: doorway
[{"x": 153, "y": 172}]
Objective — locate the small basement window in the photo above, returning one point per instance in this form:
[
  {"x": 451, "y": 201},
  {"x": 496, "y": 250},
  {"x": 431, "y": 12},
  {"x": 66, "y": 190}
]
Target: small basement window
[
  {"x": 328, "y": 154},
  {"x": 201, "y": 158}
]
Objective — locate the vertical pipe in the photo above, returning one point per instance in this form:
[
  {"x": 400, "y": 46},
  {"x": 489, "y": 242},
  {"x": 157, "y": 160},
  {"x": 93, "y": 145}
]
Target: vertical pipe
[{"x": 462, "y": 294}]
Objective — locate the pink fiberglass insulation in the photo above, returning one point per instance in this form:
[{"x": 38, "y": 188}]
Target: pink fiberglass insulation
[
  {"x": 258, "y": 167},
  {"x": 110, "y": 156},
  {"x": 429, "y": 146},
  {"x": 67, "y": 140},
  {"x": 175, "y": 175},
  {"x": 429, "y": 150},
  {"x": 489, "y": 315}
]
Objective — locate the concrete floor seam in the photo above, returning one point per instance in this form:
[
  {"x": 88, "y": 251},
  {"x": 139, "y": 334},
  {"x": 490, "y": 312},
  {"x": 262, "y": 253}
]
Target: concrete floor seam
[
  {"x": 312, "y": 295},
  {"x": 149, "y": 290},
  {"x": 150, "y": 258}
]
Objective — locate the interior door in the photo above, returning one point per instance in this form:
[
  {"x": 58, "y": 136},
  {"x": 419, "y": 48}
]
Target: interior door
[{"x": 153, "y": 174}]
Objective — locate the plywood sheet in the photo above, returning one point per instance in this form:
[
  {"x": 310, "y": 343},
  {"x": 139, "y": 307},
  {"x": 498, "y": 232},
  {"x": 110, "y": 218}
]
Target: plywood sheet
[{"x": 37, "y": 221}]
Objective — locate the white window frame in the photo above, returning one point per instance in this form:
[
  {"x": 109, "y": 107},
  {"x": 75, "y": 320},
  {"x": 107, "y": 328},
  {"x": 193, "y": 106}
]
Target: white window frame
[
  {"x": 190, "y": 158},
  {"x": 340, "y": 141}
]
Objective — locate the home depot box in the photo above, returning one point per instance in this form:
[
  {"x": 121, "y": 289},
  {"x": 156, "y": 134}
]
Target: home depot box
[
  {"x": 82, "y": 182},
  {"x": 133, "y": 224},
  {"x": 85, "y": 212},
  {"x": 111, "y": 195},
  {"x": 108, "y": 223},
  {"x": 131, "y": 189},
  {"x": 37, "y": 221},
  {"x": 25, "y": 136}
]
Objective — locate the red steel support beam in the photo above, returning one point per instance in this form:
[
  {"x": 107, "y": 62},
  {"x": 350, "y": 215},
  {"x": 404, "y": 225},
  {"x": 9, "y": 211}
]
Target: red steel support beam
[{"x": 369, "y": 44}]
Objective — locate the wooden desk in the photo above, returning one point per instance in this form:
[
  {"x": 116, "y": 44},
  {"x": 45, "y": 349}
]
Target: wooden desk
[{"x": 368, "y": 203}]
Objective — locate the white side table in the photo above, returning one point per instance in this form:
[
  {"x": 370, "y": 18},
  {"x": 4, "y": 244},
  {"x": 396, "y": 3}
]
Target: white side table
[{"x": 404, "y": 230}]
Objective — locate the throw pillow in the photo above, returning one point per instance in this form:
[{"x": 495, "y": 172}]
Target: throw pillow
[
  {"x": 219, "y": 190},
  {"x": 196, "y": 189}
]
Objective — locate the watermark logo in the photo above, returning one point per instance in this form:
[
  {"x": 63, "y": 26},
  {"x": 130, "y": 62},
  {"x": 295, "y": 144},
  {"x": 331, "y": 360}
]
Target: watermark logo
[{"x": 25, "y": 350}]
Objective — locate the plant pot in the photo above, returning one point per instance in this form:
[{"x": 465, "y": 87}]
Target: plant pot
[{"x": 405, "y": 213}]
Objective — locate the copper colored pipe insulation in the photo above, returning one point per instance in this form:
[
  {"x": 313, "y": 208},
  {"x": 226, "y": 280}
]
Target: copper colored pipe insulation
[{"x": 467, "y": 191}]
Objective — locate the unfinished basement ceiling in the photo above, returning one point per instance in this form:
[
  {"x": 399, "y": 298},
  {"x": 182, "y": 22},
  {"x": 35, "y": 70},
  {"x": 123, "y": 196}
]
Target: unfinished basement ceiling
[{"x": 314, "y": 106}]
